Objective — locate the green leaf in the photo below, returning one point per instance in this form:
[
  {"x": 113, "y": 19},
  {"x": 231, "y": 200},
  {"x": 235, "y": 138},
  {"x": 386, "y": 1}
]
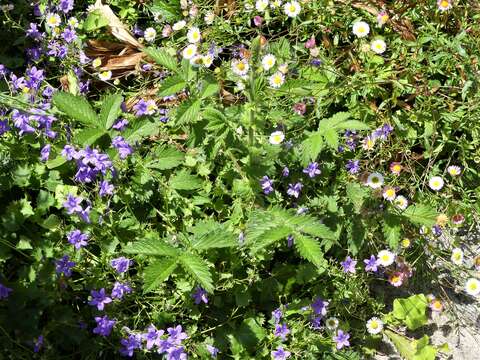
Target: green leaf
[
  {"x": 162, "y": 57},
  {"x": 403, "y": 345},
  {"x": 210, "y": 87},
  {"x": 54, "y": 163},
  {"x": 311, "y": 147},
  {"x": 157, "y": 272},
  {"x": 183, "y": 180},
  {"x": 392, "y": 230},
  {"x": 95, "y": 20},
  {"x": 198, "y": 269},
  {"x": 331, "y": 138},
  {"x": 166, "y": 158},
  {"x": 110, "y": 110},
  {"x": 334, "y": 121},
  {"x": 171, "y": 86},
  {"x": 411, "y": 310},
  {"x": 421, "y": 215},
  {"x": 89, "y": 136},
  {"x": 218, "y": 236},
  {"x": 188, "y": 112},
  {"x": 141, "y": 129},
  {"x": 352, "y": 125},
  {"x": 76, "y": 107},
  {"x": 356, "y": 194},
  {"x": 309, "y": 249},
  {"x": 153, "y": 247}
]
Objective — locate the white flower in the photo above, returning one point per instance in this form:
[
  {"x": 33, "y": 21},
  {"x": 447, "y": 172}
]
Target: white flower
[
  {"x": 457, "y": 256},
  {"x": 276, "y": 137},
  {"x": 261, "y": 5},
  {"x": 401, "y": 202},
  {"x": 240, "y": 85},
  {"x": 292, "y": 9},
  {"x": 105, "y": 75},
  {"x": 436, "y": 183},
  {"x": 197, "y": 60},
  {"x": 375, "y": 180},
  {"x": 179, "y": 25},
  {"x": 207, "y": 60},
  {"x": 97, "y": 62},
  {"x": 331, "y": 323},
  {"x": 444, "y": 5},
  {"x": 73, "y": 22},
  {"x": 374, "y": 325},
  {"x": 268, "y": 61},
  {"x": 194, "y": 35},
  {"x": 276, "y": 4},
  {"x": 472, "y": 287},
  {"x": 378, "y": 46},
  {"x": 276, "y": 80},
  {"x": 209, "y": 17},
  {"x": 150, "y": 34},
  {"x": 240, "y": 67},
  {"x": 385, "y": 258},
  {"x": 190, "y": 51},
  {"x": 454, "y": 170},
  {"x": 361, "y": 29},
  {"x": 53, "y": 20},
  {"x": 389, "y": 193}
]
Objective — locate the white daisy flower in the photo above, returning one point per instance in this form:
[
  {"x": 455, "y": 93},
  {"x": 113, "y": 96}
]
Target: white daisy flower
[
  {"x": 401, "y": 202},
  {"x": 179, "y": 25},
  {"x": 268, "y": 61},
  {"x": 374, "y": 326},
  {"x": 389, "y": 193},
  {"x": 194, "y": 35},
  {"x": 276, "y": 80},
  {"x": 454, "y": 170},
  {"x": 53, "y": 20},
  {"x": 190, "y": 51},
  {"x": 197, "y": 60},
  {"x": 240, "y": 67},
  {"x": 331, "y": 323},
  {"x": 368, "y": 142},
  {"x": 457, "y": 256},
  {"x": 436, "y": 183},
  {"x": 150, "y": 34},
  {"x": 207, "y": 60},
  {"x": 209, "y": 17},
  {"x": 378, "y": 46},
  {"x": 361, "y": 29},
  {"x": 385, "y": 258},
  {"x": 97, "y": 62},
  {"x": 444, "y": 5},
  {"x": 472, "y": 287},
  {"x": 73, "y": 22},
  {"x": 261, "y": 5},
  {"x": 292, "y": 9},
  {"x": 105, "y": 75},
  {"x": 276, "y": 137},
  {"x": 375, "y": 180},
  {"x": 276, "y": 4}
]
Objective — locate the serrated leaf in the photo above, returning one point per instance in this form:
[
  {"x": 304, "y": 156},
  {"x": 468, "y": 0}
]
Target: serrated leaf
[
  {"x": 331, "y": 138},
  {"x": 356, "y": 194},
  {"x": 110, "y": 110},
  {"x": 311, "y": 147},
  {"x": 162, "y": 57},
  {"x": 95, "y": 20},
  {"x": 141, "y": 129},
  {"x": 152, "y": 247},
  {"x": 54, "y": 163},
  {"x": 309, "y": 249},
  {"x": 352, "y": 125},
  {"x": 218, "y": 236},
  {"x": 198, "y": 269},
  {"x": 421, "y": 215},
  {"x": 166, "y": 158},
  {"x": 271, "y": 235},
  {"x": 157, "y": 272},
  {"x": 183, "y": 180},
  {"x": 188, "y": 112},
  {"x": 334, "y": 121},
  {"x": 411, "y": 310},
  {"x": 89, "y": 136},
  {"x": 392, "y": 230},
  {"x": 76, "y": 107},
  {"x": 210, "y": 87},
  {"x": 171, "y": 86}
]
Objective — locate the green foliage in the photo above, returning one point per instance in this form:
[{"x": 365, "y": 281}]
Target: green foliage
[
  {"x": 76, "y": 107},
  {"x": 411, "y": 310}
]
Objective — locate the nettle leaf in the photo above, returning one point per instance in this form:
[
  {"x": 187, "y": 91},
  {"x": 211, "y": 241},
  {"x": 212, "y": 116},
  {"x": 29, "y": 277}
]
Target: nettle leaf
[
  {"x": 198, "y": 269},
  {"x": 89, "y": 136},
  {"x": 356, "y": 194},
  {"x": 421, "y": 215},
  {"x": 162, "y": 57},
  {"x": 331, "y": 138},
  {"x": 311, "y": 147},
  {"x": 95, "y": 20},
  {"x": 171, "y": 86},
  {"x": 217, "y": 236},
  {"x": 309, "y": 249},
  {"x": 411, "y": 310},
  {"x": 188, "y": 112},
  {"x": 157, "y": 272},
  {"x": 77, "y": 107},
  {"x": 141, "y": 129},
  {"x": 183, "y": 180},
  {"x": 153, "y": 247},
  {"x": 111, "y": 109},
  {"x": 166, "y": 158},
  {"x": 334, "y": 121},
  {"x": 392, "y": 230},
  {"x": 210, "y": 87}
]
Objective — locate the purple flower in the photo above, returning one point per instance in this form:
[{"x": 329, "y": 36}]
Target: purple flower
[
  {"x": 130, "y": 344},
  {"x": 4, "y": 291},
  {"x": 38, "y": 343},
  {"x": 371, "y": 264},
  {"x": 99, "y": 299},
  {"x": 45, "y": 152},
  {"x": 320, "y": 307},
  {"x": 280, "y": 354},
  {"x": 266, "y": 184},
  {"x": 176, "y": 353},
  {"x": 285, "y": 172},
  {"x": 257, "y": 21},
  {"x": 120, "y": 125},
  {"x": 65, "y": 5},
  {"x": 312, "y": 170},
  {"x": 341, "y": 339},
  {"x": 152, "y": 336},
  {"x": 64, "y": 266},
  {"x": 353, "y": 166},
  {"x": 104, "y": 325},
  {"x": 120, "y": 289},
  {"x": 213, "y": 350},
  {"x": 436, "y": 230},
  {"x": 33, "y": 32},
  {"x": 3, "y": 70},
  {"x": 277, "y": 315},
  {"x": 294, "y": 189},
  {"x": 316, "y": 322},
  {"x": 69, "y": 35},
  {"x": 72, "y": 205},
  {"x": 106, "y": 188},
  {"x": 281, "y": 331},
  {"x": 383, "y": 131},
  {"x": 143, "y": 107},
  {"x": 77, "y": 239},
  {"x": 349, "y": 265},
  {"x": 290, "y": 240},
  {"x": 4, "y": 127},
  {"x": 121, "y": 264},
  {"x": 176, "y": 335},
  {"x": 316, "y": 62},
  {"x": 200, "y": 295},
  {"x": 123, "y": 148}
]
